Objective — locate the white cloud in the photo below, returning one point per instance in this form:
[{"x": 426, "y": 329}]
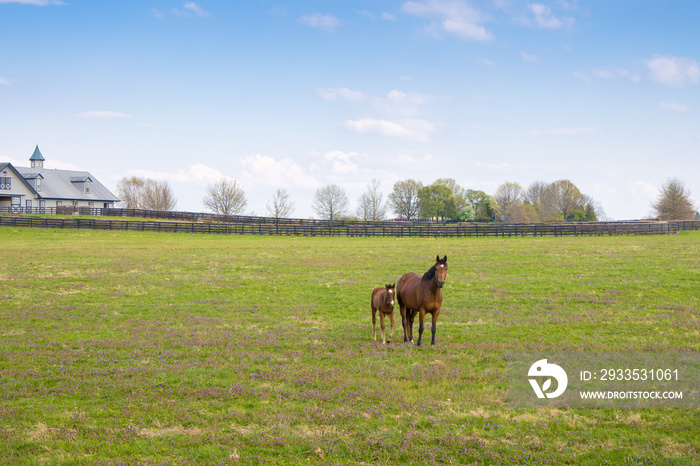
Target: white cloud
[
  {"x": 327, "y": 23},
  {"x": 196, "y": 174},
  {"x": 454, "y": 16},
  {"x": 4, "y": 82},
  {"x": 675, "y": 106},
  {"x": 388, "y": 17},
  {"x": 634, "y": 77},
  {"x": 35, "y": 2},
  {"x": 545, "y": 19},
  {"x": 412, "y": 129},
  {"x": 342, "y": 161},
  {"x": 190, "y": 10},
  {"x": 102, "y": 115},
  {"x": 340, "y": 92},
  {"x": 673, "y": 71},
  {"x": 643, "y": 191},
  {"x": 527, "y": 58},
  {"x": 261, "y": 169},
  {"x": 402, "y": 104}
]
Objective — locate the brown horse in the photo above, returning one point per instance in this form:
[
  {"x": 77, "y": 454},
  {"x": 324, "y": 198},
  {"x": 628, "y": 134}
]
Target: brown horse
[
  {"x": 383, "y": 301},
  {"x": 421, "y": 294}
]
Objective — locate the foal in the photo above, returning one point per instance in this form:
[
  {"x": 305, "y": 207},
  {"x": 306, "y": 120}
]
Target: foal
[{"x": 383, "y": 301}]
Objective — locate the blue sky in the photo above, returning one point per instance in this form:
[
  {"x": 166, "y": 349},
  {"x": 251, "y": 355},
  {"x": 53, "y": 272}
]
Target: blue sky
[{"x": 297, "y": 95}]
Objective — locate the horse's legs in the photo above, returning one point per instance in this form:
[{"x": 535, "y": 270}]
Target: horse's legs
[
  {"x": 381, "y": 322},
  {"x": 433, "y": 328},
  {"x": 374, "y": 324},
  {"x": 411, "y": 316},
  {"x": 391, "y": 318},
  {"x": 404, "y": 322},
  {"x": 434, "y": 325},
  {"x": 421, "y": 318}
]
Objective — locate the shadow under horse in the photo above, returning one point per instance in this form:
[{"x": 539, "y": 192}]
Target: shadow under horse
[{"x": 421, "y": 294}]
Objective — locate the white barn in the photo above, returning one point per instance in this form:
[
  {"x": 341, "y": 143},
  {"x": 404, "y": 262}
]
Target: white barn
[{"x": 36, "y": 189}]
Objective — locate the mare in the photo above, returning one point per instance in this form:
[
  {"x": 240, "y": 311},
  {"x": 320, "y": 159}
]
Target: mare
[
  {"x": 421, "y": 294},
  {"x": 383, "y": 301}
]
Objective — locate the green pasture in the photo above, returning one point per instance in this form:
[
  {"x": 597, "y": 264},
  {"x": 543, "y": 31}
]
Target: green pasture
[{"x": 147, "y": 348}]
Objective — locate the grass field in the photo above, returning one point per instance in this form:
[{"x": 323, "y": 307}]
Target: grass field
[{"x": 147, "y": 348}]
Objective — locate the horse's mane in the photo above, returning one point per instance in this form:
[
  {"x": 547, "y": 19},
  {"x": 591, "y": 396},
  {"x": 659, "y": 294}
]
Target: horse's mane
[{"x": 430, "y": 274}]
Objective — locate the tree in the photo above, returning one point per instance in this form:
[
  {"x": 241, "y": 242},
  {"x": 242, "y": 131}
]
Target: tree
[
  {"x": 674, "y": 202},
  {"x": 404, "y": 198},
  {"x": 566, "y": 198},
  {"x": 138, "y": 193},
  {"x": 481, "y": 203},
  {"x": 281, "y": 206},
  {"x": 225, "y": 197},
  {"x": 459, "y": 194},
  {"x": 129, "y": 191},
  {"x": 436, "y": 201},
  {"x": 157, "y": 195},
  {"x": 540, "y": 197},
  {"x": 370, "y": 205},
  {"x": 508, "y": 199},
  {"x": 330, "y": 202}
]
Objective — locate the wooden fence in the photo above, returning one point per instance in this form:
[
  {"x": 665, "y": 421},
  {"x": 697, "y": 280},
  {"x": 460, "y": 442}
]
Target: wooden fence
[{"x": 359, "y": 229}]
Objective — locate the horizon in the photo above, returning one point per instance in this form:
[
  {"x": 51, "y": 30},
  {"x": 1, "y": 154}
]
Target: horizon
[{"x": 306, "y": 94}]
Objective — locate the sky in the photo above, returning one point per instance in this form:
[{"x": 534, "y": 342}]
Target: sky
[{"x": 299, "y": 95}]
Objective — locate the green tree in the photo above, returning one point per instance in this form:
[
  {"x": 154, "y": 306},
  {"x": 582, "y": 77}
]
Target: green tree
[
  {"x": 481, "y": 203},
  {"x": 437, "y": 201},
  {"x": 458, "y": 193},
  {"x": 566, "y": 198}
]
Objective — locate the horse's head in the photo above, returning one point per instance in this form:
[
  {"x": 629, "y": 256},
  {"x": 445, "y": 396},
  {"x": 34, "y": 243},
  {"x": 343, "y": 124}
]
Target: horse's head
[
  {"x": 440, "y": 271},
  {"x": 390, "y": 294}
]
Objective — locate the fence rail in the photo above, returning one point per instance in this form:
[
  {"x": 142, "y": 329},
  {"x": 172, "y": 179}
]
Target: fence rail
[{"x": 359, "y": 229}]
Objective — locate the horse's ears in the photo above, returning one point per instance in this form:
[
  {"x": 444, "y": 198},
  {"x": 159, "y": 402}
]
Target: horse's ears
[
  {"x": 437, "y": 258},
  {"x": 394, "y": 285},
  {"x": 445, "y": 259}
]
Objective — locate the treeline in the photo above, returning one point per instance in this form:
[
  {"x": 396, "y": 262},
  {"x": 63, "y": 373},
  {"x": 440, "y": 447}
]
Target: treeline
[
  {"x": 446, "y": 200},
  {"x": 442, "y": 200}
]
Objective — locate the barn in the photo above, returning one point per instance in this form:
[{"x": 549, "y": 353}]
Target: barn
[{"x": 36, "y": 189}]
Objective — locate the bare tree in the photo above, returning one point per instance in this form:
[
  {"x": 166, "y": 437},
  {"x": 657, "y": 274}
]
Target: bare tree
[
  {"x": 129, "y": 191},
  {"x": 508, "y": 199},
  {"x": 137, "y": 193},
  {"x": 225, "y": 197},
  {"x": 157, "y": 195},
  {"x": 330, "y": 202},
  {"x": 674, "y": 202},
  {"x": 404, "y": 198},
  {"x": 371, "y": 206},
  {"x": 539, "y": 195},
  {"x": 280, "y": 206}
]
